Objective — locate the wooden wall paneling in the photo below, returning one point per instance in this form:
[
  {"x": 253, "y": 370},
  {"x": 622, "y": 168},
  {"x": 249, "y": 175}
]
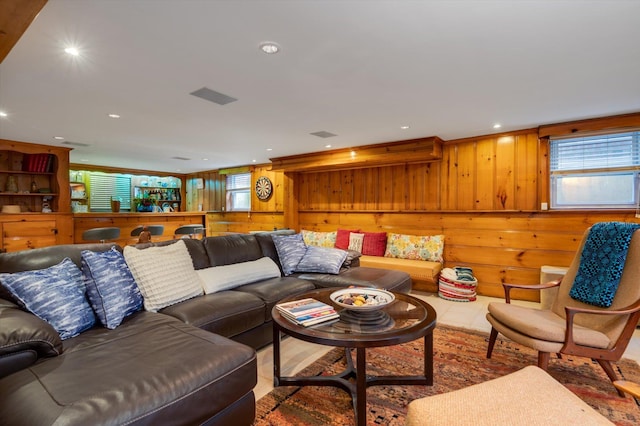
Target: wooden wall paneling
[
  {"x": 449, "y": 181},
  {"x": 291, "y": 204},
  {"x": 544, "y": 173},
  {"x": 485, "y": 175},
  {"x": 414, "y": 199},
  {"x": 465, "y": 185},
  {"x": 505, "y": 170},
  {"x": 347, "y": 195},
  {"x": 335, "y": 190},
  {"x": 431, "y": 190},
  {"x": 399, "y": 180},
  {"x": 386, "y": 188},
  {"x": 526, "y": 172}
]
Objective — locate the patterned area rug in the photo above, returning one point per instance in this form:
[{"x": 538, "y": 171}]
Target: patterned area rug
[{"x": 459, "y": 361}]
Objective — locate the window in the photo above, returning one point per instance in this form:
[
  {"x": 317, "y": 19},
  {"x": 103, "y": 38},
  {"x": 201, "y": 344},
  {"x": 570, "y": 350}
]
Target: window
[
  {"x": 597, "y": 171},
  {"x": 104, "y": 186},
  {"x": 239, "y": 192}
]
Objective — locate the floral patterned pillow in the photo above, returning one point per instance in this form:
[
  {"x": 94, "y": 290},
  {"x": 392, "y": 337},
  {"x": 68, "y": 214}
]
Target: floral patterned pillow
[
  {"x": 321, "y": 239},
  {"x": 417, "y": 247}
]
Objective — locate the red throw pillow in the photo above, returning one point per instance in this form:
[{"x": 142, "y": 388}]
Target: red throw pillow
[
  {"x": 374, "y": 243},
  {"x": 342, "y": 238}
]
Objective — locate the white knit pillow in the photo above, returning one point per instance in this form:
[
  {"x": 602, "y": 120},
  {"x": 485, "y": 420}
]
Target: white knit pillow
[
  {"x": 165, "y": 275},
  {"x": 218, "y": 278}
]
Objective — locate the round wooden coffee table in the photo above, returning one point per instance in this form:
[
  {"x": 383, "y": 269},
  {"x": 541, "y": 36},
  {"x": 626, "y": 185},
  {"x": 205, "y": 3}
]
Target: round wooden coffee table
[{"x": 406, "y": 319}]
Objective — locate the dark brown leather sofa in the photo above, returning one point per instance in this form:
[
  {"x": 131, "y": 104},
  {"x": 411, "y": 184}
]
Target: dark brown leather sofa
[{"x": 191, "y": 363}]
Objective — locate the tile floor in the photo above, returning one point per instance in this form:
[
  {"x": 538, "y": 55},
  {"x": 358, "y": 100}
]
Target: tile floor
[{"x": 297, "y": 354}]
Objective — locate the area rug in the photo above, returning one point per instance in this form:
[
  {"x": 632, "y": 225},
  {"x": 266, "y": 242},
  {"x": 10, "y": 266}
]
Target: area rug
[{"x": 459, "y": 361}]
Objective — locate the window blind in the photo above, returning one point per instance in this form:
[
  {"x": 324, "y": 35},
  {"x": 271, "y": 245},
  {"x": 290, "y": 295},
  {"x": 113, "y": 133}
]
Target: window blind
[
  {"x": 239, "y": 181},
  {"x": 608, "y": 151},
  {"x": 104, "y": 186}
]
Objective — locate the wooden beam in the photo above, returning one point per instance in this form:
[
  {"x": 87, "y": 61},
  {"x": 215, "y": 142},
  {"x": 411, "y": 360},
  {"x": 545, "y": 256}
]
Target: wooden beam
[
  {"x": 383, "y": 154},
  {"x": 616, "y": 122},
  {"x": 15, "y": 18}
]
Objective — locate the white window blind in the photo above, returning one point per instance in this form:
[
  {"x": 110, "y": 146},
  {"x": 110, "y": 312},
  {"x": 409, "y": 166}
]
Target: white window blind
[
  {"x": 239, "y": 192},
  {"x": 619, "y": 150},
  {"x": 595, "y": 171},
  {"x": 104, "y": 186}
]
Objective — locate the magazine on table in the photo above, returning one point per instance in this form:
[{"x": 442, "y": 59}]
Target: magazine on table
[{"x": 307, "y": 312}]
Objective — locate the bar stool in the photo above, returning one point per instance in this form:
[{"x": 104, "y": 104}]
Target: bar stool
[
  {"x": 190, "y": 230},
  {"x": 101, "y": 234}
]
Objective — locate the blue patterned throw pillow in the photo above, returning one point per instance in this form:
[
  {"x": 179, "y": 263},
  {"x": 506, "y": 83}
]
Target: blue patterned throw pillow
[
  {"x": 323, "y": 260},
  {"x": 290, "y": 250},
  {"x": 111, "y": 289},
  {"x": 55, "y": 295}
]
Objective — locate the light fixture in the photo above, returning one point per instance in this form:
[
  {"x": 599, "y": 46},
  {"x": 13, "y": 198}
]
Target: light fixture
[
  {"x": 205, "y": 159},
  {"x": 404, "y": 127},
  {"x": 114, "y": 116},
  {"x": 328, "y": 146},
  {"x": 72, "y": 51},
  {"x": 3, "y": 114},
  {"x": 497, "y": 126},
  {"x": 58, "y": 138},
  {"x": 269, "y": 47},
  {"x": 353, "y": 154},
  {"x": 253, "y": 161},
  {"x": 269, "y": 149}
]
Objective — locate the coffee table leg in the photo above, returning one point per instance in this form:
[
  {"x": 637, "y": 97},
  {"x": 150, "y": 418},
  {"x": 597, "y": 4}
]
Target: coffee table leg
[
  {"x": 428, "y": 358},
  {"x": 361, "y": 387},
  {"x": 276, "y": 356}
]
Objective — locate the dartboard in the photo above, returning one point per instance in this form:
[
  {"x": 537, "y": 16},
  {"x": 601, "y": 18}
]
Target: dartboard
[{"x": 263, "y": 188}]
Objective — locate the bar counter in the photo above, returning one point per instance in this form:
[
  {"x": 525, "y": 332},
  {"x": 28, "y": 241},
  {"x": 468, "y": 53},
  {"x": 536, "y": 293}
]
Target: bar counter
[{"x": 127, "y": 221}]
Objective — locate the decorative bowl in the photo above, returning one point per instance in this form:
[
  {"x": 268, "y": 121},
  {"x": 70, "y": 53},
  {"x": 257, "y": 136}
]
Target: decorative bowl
[{"x": 362, "y": 299}]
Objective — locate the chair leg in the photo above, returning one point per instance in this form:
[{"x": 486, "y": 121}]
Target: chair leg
[
  {"x": 543, "y": 360},
  {"x": 492, "y": 341},
  {"x": 608, "y": 368}
]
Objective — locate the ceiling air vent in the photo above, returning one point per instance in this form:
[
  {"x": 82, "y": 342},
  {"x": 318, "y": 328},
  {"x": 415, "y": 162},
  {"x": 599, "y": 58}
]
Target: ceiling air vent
[
  {"x": 75, "y": 143},
  {"x": 213, "y": 96},
  {"x": 181, "y": 158},
  {"x": 323, "y": 134}
]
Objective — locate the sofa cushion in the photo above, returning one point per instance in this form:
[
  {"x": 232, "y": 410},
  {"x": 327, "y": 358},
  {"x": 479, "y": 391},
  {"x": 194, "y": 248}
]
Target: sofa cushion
[
  {"x": 111, "y": 289},
  {"x": 374, "y": 244},
  {"x": 416, "y": 247},
  {"x": 342, "y": 238},
  {"x": 218, "y": 278},
  {"x": 230, "y": 249},
  {"x": 290, "y": 249},
  {"x": 165, "y": 275},
  {"x": 273, "y": 290},
  {"x": 55, "y": 294},
  {"x": 322, "y": 260},
  {"x": 322, "y": 239},
  {"x": 355, "y": 241}
]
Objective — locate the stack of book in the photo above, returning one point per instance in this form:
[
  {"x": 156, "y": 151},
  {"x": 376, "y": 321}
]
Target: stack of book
[{"x": 307, "y": 312}]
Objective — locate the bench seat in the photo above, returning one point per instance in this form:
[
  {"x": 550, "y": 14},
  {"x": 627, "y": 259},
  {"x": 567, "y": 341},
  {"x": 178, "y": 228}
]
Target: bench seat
[{"x": 423, "y": 273}]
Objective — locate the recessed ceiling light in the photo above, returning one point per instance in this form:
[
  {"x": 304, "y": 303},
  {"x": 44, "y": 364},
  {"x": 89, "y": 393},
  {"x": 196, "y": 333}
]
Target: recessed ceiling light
[
  {"x": 269, "y": 149},
  {"x": 404, "y": 127},
  {"x": 497, "y": 126},
  {"x": 328, "y": 146},
  {"x": 253, "y": 161},
  {"x": 72, "y": 51},
  {"x": 114, "y": 116},
  {"x": 3, "y": 114},
  {"x": 269, "y": 47},
  {"x": 59, "y": 138},
  {"x": 205, "y": 159}
]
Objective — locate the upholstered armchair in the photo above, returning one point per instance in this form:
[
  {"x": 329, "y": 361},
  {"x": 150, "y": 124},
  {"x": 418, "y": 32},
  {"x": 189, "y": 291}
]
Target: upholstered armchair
[{"x": 573, "y": 327}]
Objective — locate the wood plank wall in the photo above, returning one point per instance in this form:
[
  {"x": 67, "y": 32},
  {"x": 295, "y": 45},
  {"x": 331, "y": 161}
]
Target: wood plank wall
[{"x": 484, "y": 195}]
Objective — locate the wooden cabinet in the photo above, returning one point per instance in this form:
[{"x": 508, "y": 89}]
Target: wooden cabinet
[
  {"x": 34, "y": 176},
  {"x": 29, "y": 231}
]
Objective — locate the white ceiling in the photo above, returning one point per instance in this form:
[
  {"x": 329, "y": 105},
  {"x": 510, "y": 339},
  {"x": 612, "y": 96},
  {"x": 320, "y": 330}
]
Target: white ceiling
[{"x": 358, "y": 69}]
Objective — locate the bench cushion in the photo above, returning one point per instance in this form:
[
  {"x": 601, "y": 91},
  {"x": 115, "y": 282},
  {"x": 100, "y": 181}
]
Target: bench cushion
[{"x": 422, "y": 270}]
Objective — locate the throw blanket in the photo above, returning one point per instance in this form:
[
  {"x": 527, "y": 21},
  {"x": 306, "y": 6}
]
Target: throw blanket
[{"x": 601, "y": 263}]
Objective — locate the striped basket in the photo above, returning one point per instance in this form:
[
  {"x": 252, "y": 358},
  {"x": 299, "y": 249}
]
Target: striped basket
[{"x": 457, "y": 290}]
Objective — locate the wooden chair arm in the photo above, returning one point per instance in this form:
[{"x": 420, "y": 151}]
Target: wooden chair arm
[
  {"x": 509, "y": 286},
  {"x": 571, "y": 347},
  {"x": 628, "y": 387}
]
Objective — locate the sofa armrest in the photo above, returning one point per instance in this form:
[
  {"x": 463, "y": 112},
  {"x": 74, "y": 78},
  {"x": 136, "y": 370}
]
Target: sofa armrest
[{"x": 24, "y": 338}]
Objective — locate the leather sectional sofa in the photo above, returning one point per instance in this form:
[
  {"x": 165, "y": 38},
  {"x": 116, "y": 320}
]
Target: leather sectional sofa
[{"x": 189, "y": 363}]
